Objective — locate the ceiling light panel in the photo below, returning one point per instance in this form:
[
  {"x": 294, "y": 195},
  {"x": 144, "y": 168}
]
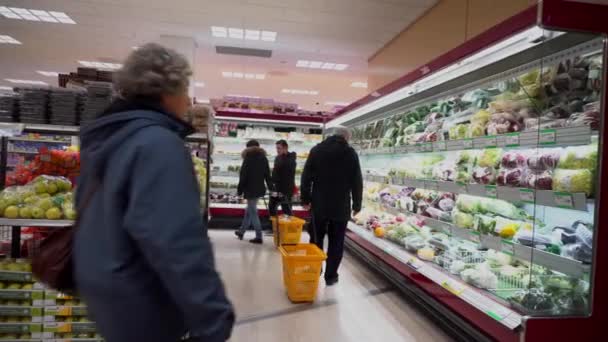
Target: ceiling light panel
[
  {"x": 300, "y": 92},
  {"x": 8, "y": 40},
  {"x": 48, "y": 73},
  {"x": 245, "y": 96},
  {"x": 240, "y": 33},
  {"x": 6, "y": 88},
  {"x": 359, "y": 84},
  {"x": 199, "y": 84},
  {"x": 35, "y": 15},
  {"x": 30, "y": 82},
  {"x": 336, "y": 103},
  {"x": 247, "y": 76},
  {"x": 321, "y": 65},
  {"x": 100, "y": 65}
]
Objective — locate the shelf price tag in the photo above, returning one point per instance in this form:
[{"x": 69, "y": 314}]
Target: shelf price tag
[
  {"x": 429, "y": 147},
  {"x": 506, "y": 246},
  {"x": 494, "y": 315},
  {"x": 441, "y": 145},
  {"x": 467, "y": 144},
  {"x": 563, "y": 200},
  {"x": 475, "y": 237},
  {"x": 462, "y": 187},
  {"x": 526, "y": 195},
  {"x": 547, "y": 137},
  {"x": 452, "y": 286},
  {"x": 415, "y": 263},
  {"x": 491, "y": 191},
  {"x": 490, "y": 142},
  {"x": 512, "y": 139},
  {"x": 401, "y": 149}
]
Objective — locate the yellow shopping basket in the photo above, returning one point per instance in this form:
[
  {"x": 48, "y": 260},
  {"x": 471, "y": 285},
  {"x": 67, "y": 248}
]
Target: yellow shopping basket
[
  {"x": 301, "y": 271},
  {"x": 286, "y": 230}
]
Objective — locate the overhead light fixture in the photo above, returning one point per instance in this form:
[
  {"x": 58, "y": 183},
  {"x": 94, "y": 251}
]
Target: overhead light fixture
[
  {"x": 48, "y": 73},
  {"x": 336, "y": 103},
  {"x": 199, "y": 84},
  {"x": 359, "y": 84},
  {"x": 100, "y": 65},
  {"x": 247, "y": 76},
  {"x": 300, "y": 92},
  {"x": 246, "y": 34},
  {"x": 30, "y": 82},
  {"x": 35, "y": 15},
  {"x": 244, "y": 96},
  {"x": 321, "y": 65},
  {"x": 135, "y": 47},
  {"x": 6, "y": 88},
  {"x": 202, "y": 101},
  {"x": 9, "y": 40}
]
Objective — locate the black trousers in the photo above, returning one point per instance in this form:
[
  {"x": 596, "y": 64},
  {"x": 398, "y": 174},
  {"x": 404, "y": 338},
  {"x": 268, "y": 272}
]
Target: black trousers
[
  {"x": 335, "y": 231},
  {"x": 284, "y": 201}
]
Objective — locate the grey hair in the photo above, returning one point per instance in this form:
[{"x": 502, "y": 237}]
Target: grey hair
[
  {"x": 151, "y": 71},
  {"x": 342, "y": 131}
]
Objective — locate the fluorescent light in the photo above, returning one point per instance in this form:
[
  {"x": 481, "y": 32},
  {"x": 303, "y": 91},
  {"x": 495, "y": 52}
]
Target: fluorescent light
[
  {"x": 6, "y": 88},
  {"x": 135, "y": 47},
  {"x": 9, "y": 40},
  {"x": 247, "y": 76},
  {"x": 321, "y": 65},
  {"x": 35, "y": 15},
  {"x": 202, "y": 101},
  {"x": 336, "y": 103},
  {"x": 31, "y": 82},
  {"x": 240, "y": 33},
  {"x": 300, "y": 92},
  {"x": 100, "y": 65},
  {"x": 199, "y": 84},
  {"x": 48, "y": 73},
  {"x": 245, "y": 96},
  {"x": 359, "y": 84}
]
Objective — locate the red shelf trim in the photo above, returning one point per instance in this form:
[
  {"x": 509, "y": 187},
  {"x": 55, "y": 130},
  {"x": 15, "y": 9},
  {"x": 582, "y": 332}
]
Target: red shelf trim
[{"x": 269, "y": 116}]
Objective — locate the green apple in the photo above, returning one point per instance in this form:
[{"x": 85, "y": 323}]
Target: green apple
[
  {"x": 70, "y": 214},
  {"x": 53, "y": 214},
  {"x": 25, "y": 212},
  {"x": 52, "y": 188},
  {"x": 11, "y": 212},
  {"x": 37, "y": 212},
  {"x": 40, "y": 188},
  {"x": 45, "y": 204},
  {"x": 27, "y": 287},
  {"x": 30, "y": 200},
  {"x": 14, "y": 286}
]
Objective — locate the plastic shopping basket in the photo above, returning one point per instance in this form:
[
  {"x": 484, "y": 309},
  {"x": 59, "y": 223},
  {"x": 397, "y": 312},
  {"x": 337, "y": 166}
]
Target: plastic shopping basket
[
  {"x": 286, "y": 230},
  {"x": 301, "y": 271}
]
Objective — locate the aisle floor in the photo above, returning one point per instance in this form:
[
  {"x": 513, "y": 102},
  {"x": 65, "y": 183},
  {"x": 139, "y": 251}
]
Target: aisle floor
[{"x": 361, "y": 307}]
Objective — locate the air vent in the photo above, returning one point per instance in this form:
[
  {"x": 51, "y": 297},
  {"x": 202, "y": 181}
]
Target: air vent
[{"x": 231, "y": 50}]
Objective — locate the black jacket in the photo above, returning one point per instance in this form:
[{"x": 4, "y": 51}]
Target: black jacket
[
  {"x": 284, "y": 173},
  {"x": 331, "y": 175},
  {"x": 254, "y": 172}
]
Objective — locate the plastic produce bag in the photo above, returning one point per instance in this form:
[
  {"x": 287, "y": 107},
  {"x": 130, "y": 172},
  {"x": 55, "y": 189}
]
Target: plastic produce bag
[
  {"x": 513, "y": 159},
  {"x": 579, "y": 157},
  {"x": 573, "y": 181},
  {"x": 468, "y": 204},
  {"x": 462, "y": 219},
  {"x": 502, "y": 208},
  {"x": 538, "y": 180},
  {"x": 544, "y": 159},
  {"x": 484, "y": 175},
  {"x": 510, "y": 177},
  {"x": 490, "y": 158},
  {"x": 484, "y": 224}
]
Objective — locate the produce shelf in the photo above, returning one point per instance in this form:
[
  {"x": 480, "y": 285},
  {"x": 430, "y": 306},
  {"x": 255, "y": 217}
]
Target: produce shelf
[
  {"x": 552, "y": 261},
  {"x": 35, "y": 223},
  {"x": 501, "y": 313},
  {"x": 550, "y": 198},
  {"x": 564, "y": 136}
]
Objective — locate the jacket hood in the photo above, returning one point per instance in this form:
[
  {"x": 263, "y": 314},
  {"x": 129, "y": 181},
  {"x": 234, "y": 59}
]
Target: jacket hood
[
  {"x": 335, "y": 145},
  {"x": 106, "y": 134},
  {"x": 253, "y": 150}
]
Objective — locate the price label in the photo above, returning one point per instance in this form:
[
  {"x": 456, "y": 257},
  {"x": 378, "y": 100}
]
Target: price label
[
  {"x": 491, "y": 191},
  {"x": 452, "y": 286},
  {"x": 475, "y": 237},
  {"x": 461, "y": 187},
  {"x": 429, "y": 147},
  {"x": 430, "y": 184},
  {"x": 401, "y": 149},
  {"x": 507, "y": 247},
  {"x": 526, "y": 195},
  {"x": 512, "y": 139},
  {"x": 494, "y": 315},
  {"x": 440, "y": 145},
  {"x": 414, "y": 263},
  {"x": 490, "y": 142},
  {"x": 467, "y": 144},
  {"x": 547, "y": 137},
  {"x": 563, "y": 199}
]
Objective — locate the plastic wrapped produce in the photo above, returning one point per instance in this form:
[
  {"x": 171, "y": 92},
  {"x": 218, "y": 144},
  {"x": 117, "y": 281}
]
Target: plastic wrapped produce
[
  {"x": 484, "y": 224},
  {"x": 484, "y": 175},
  {"x": 462, "y": 219},
  {"x": 504, "y": 122},
  {"x": 510, "y": 177},
  {"x": 446, "y": 204},
  {"x": 538, "y": 180},
  {"x": 438, "y": 214},
  {"x": 490, "y": 158},
  {"x": 502, "y": 208},
  {"x": 458, "y": 131},
  {"x": 544, "y": 159},
  {"x": 468, "y": 204},
  {"x": 573, "y": 181},
  {"x": 513, "y": 159},
  {"x": 579, "y": 157},
  {"x": 590, "y": 118},
  {"x": 480, "y": 276},
  {"x": 414, "y": 242}
]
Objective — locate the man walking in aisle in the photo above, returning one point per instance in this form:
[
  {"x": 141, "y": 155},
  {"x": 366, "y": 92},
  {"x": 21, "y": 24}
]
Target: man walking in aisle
[
  {"x": 332, "y": 175},
  {"x": 283, "y": 178}
]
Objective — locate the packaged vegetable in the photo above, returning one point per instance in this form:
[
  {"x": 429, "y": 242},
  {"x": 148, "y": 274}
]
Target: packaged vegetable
[
  {"x": 413, "y": 243},
  {"x": 538, "y": 180},
  {"x": 426, "y": 253},
  {"x": 498, "y": 259},
  {"x": 544, "y": 159},
  {"x": 510, "y": 177},
  {"x": 489, "y": 158},
  {"x": 513, "y": 159},
  {"x": 484, "y": 175},
  {"x": 573, "y": 181},
  {"x": 458, "y": 131},
  {"x": 480, "y": 276},
  {"x": 579, "y": 157},
  {"x": 502, "y": 208},
  {"x": 484, "y": 224},
  {"x": 462, "y": 219},
  {"x": 468, "y": 204}
]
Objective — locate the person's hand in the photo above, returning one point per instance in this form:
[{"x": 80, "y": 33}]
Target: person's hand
[{"x": 306, "y": 207}]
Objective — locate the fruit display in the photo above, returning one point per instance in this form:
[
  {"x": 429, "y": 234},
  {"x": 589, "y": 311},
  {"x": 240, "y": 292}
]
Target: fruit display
[
  {"x": 45, "y": 197},
  {"x": 49, "y": 161}
]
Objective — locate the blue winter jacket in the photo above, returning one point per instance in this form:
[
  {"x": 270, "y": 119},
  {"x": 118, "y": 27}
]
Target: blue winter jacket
[{"x": 143, "y": 261}]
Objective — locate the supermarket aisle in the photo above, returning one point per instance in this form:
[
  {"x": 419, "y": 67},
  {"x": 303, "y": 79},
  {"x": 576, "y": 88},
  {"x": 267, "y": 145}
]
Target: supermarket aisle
[{"x": 362, "y": 307}]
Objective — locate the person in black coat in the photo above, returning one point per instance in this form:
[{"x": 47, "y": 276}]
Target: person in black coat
[
  {"x": 283, "y": 178},
  {"x": 254, "y": 172},
  {"x": 332, "y": 175}
]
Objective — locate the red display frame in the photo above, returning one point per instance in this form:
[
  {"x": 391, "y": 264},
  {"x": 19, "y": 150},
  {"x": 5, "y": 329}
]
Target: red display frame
[
  {"x": 564, "y": 15},
  {"x": 243, "y": 114}
]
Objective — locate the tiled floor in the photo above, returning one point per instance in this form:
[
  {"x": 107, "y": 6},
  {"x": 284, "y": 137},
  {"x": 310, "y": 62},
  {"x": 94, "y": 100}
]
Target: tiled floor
[{"x": 361, "y": 307}]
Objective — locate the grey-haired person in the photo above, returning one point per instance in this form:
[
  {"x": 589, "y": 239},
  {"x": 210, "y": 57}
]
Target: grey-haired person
[{"x": 143, "y": 261}]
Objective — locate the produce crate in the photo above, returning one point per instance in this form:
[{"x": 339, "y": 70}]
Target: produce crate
[
  {"x": 64, "y": 313},
  {"x": 288, "y": 231},
  {"x": 20, "y": 314},
  {"x": 301, "y": 270},
  {"x": 55, "y": 298},
  {"x": 20, "y": 331},
  {"x": 21, "y": 297},
  {"x": 69, "y": 330}
]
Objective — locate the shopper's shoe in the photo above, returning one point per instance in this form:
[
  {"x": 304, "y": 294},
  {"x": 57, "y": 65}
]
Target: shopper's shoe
[
  {"x": 257, "y": 241},
  {"x": 239, "y": 235},
  {"x": 331, "y": 281}
]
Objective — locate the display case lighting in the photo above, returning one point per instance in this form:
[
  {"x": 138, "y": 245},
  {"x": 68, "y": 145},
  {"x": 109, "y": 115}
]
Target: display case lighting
[
  {"x": 300, "y": 92},
  {"x": 8, "y": 40},
  {"x": 494, "y": 53},
  {"x": 246, "y": 34},
  {"x": 6, "y": 88},
  {"x": 35, "y": 15},
  {"x": 48, "y": 73},
  {"x": 302, "y": 63}
]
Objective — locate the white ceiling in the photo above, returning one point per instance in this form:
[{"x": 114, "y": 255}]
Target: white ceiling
[{"x": 342, "y": 31}]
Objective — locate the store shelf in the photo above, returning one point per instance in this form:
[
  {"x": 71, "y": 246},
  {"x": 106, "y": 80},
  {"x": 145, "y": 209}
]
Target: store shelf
[
  {"x": 230, "y": 174},
  {"x": 565, "y": 136},
  {"x": 263, "y": 141},
  {"x": 45, "y": 141},
  {"x": 22, "y": 152},
  {"x": 261, "y": 206},
  {"x": 558, "y": 199},
  {"x": 457, "y": 287},
  {"x": 554, "y": 262},
  {"x": 35, "y": 223}
]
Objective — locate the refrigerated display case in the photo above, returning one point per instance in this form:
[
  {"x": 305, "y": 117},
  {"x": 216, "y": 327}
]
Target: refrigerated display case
[
  {"x": 483, "y": 169},
  {"x": 230, "y": 137}
]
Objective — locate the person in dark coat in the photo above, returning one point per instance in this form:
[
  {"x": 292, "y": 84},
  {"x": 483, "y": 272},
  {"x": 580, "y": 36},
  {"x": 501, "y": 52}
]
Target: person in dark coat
[
  {"x": 143, "y": 262},
  {"x": 331, "y": 178},
  {"x": 283, "y": 178},
  {"x": 255, "y": 171}
]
